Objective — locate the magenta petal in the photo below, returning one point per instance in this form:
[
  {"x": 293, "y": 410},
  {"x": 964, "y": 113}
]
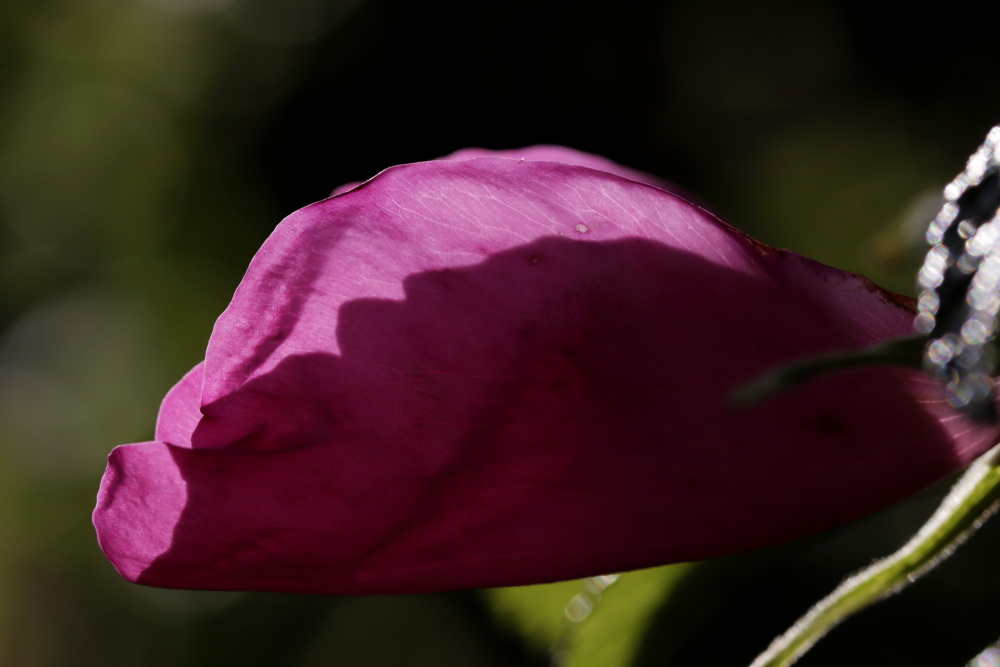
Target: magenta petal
[
  {"x": 181, "y": 409},
  {"x": 492, "y": 372},
  {"x": 566, "y": 156},
  {"x": 142, "y": 498},
  {"x": 552, "y": 154}
]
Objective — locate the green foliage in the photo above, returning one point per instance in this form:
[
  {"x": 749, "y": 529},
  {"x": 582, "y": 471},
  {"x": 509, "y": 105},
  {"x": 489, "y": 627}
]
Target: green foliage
[{"x": 583, "y": 626}]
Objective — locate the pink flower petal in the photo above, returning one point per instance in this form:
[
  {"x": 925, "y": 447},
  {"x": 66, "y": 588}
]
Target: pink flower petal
[
  {"x": 491, "y": 372},
  {"x": 566, "y": 156},
  {"x": 181, "y": 409},
  {"x": 552, "y": 154}
]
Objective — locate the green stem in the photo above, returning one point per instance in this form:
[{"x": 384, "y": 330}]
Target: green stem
[
  {"x": 907, "y": 351},
  {"x": 971, "y": 501}
]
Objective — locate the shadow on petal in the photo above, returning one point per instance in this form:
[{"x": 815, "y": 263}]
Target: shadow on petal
[{"x": 557, "y": 411}]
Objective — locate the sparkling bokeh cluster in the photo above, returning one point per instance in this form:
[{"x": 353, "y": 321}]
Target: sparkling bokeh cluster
[{"x": 960, "y": 284}]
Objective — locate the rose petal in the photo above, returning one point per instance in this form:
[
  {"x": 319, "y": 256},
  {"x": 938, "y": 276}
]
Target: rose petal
[
  {"x": 493, "y": 372},
  {"x": 566, "y": 156},
  {"x": 552, "y": 154},
  {"x": 181, "y": 409}
]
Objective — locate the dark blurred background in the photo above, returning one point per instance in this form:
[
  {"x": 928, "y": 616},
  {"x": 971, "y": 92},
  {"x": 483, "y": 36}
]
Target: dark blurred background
[{"x": 147, "y": 148}]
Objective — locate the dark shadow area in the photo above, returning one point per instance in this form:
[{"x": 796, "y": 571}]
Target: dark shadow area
[
  {"x": 268, "y": 630},
  {"x": 728, "y": 610},
  {"x": 535, "y": 417},
  {"x": 283, "y": 630}
]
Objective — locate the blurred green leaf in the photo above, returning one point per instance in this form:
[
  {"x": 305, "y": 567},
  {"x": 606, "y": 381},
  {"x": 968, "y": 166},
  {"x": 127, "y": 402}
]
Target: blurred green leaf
[{"x": 609, "y": 625}]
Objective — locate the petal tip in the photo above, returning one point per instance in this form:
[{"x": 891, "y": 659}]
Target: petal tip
[{"x": 138, "y": 504}]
